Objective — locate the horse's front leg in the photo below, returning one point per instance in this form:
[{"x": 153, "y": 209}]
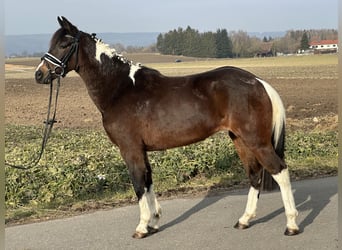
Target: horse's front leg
[{"x": 141, "y": 175}]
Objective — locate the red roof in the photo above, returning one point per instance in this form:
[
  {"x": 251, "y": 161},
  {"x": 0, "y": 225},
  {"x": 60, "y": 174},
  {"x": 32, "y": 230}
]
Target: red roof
[{"x": 324, "y": 42}]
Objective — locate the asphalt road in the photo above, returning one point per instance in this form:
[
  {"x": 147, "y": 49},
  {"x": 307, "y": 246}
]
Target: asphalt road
[{"x": 198, "y": 223}]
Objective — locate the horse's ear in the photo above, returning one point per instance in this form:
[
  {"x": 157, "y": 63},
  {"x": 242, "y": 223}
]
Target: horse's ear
[
  {"x": 64, "y": 23},
  {"x": 60, "y": 21}
]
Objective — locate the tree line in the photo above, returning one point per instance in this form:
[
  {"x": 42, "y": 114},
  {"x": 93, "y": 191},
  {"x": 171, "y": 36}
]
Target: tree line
[
  {"x": 190, "y": 42},
  {"x": 221, "y": 44}
]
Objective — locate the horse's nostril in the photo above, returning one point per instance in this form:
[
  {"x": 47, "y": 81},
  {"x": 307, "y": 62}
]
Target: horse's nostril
[{"x": 39, "y": 75}]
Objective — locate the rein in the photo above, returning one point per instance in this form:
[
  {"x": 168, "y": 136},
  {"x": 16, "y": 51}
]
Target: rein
[
  {"x": 59, "y": 71},
  {"x": 49, "y": 122}
]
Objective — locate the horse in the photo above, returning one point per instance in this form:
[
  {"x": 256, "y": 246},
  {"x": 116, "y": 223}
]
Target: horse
[{"x": 143, "y": 110}]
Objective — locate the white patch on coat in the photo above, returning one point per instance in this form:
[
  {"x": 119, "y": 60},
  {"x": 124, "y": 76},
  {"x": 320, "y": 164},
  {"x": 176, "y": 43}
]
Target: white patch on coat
[
  {"x": 133, "y": 69},
  {"x": 102, "y": 48},
  {"x": 41, "y": 64}
]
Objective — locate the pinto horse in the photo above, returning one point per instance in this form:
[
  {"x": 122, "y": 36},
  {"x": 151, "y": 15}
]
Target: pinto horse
[{"x": 143, "y": 110}]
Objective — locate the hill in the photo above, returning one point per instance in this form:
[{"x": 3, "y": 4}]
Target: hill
[
  {"x": 36, "y": 44},
  {"x": 24, "y": 45}
]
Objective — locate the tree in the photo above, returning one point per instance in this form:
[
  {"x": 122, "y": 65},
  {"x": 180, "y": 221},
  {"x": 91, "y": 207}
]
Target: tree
[
  {"x": 208, "y": 45},
  {"x": 190, "y": 42},
  {"x": 160, "y": 43},
  {"x": 241, "y": 43},
  {"x": 223, "y": 44},
  {"x": 304, "y": 42}
]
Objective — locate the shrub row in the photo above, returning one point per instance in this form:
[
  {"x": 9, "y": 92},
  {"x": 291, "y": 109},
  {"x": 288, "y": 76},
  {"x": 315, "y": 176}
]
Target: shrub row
[{"x": 83, "y": 164}]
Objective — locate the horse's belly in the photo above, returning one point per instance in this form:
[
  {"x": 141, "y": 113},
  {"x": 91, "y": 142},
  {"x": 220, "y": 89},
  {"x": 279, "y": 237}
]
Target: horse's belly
[
  {"x": 165, "y": 142},
  {"x": 178, "y": 132}
]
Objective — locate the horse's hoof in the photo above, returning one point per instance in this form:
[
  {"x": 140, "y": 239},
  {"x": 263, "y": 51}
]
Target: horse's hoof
[
  {"x": 139, "y": 235},
  {"x": 238, "y": 225},
  {"x": 291, "y": 232},
  {"x": 152, "y": 230}
]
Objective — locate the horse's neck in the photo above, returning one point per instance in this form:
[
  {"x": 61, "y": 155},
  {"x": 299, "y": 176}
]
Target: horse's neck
[{"x": 104, "y": 84}]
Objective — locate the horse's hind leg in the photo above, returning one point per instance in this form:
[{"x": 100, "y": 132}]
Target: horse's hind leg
[
  {"x": 253, "y": 169},
  {"x": 141, "y": 175},
  {"x": 283, "y": 180},
  {"x": 276, "y": 166}
]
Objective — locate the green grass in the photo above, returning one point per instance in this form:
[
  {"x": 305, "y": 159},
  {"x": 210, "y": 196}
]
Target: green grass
[{"x": 82, "y": 165}]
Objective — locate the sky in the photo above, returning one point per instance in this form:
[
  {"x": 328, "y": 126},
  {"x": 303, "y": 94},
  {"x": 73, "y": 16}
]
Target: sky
[{"x": 99, "y": 16}]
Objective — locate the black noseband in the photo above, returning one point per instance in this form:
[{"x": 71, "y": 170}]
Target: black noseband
[{"x": 61, "y": 64}]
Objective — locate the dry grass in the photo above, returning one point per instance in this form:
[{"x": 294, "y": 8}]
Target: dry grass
[
  {"x": 321, "y": 66},
  {"x": 315, "y": 66}
]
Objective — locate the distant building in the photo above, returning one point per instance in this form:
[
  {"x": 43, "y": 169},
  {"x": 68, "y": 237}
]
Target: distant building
[
  {"x": 324, "y": 46},
  {"x": 265, "y": 50}
]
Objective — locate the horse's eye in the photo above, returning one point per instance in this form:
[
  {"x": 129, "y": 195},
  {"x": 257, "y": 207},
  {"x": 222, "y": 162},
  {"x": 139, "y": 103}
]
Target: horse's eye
[{"x": 64, "y": 45}]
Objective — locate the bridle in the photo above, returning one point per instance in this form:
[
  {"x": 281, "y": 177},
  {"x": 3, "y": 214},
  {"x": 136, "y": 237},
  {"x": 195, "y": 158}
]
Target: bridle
[
  {"x": 61, "y": 64},
  {"x": 59, "y": 71}
]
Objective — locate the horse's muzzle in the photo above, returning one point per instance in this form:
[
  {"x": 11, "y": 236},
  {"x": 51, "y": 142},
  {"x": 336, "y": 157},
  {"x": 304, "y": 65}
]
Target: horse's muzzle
[
  {"x": 41, "y": 78},
  {"x": 39, "y": 75}
]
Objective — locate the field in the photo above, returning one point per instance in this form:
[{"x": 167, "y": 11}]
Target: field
[
  {"x": 307, "y": 86},
  {"x": 80, "y": 153}
]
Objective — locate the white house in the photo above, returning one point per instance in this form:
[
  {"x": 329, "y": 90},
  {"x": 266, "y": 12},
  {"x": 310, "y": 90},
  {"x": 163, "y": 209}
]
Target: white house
[{"x": 324, "y": 46}]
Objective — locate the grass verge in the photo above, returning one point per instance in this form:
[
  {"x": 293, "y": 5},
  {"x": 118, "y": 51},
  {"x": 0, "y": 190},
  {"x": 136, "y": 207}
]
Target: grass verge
[{"x": 82, "y": 170}]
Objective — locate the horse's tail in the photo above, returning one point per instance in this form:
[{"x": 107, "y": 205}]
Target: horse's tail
[{"x": 278, "y": 133}]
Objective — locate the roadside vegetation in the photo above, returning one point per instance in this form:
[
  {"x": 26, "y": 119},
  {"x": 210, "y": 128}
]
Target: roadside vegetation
[{"x": 81, "y": 165}]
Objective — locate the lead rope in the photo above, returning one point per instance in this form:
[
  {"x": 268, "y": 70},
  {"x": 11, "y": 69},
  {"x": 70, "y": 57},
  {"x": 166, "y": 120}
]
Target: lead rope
[{"x": 47, "y": 129}]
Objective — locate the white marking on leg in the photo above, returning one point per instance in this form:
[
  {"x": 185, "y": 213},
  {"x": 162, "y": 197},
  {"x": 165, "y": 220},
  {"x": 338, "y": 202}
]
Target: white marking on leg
[
  {"x": 283, "y": 180},
  {"x": 133, "y": 69},
  {"x": 145, "y": 214},
  {"x": 150, "y": 211},
  {"x": 251, "y": 206},
  {"x": 154, "y": 208},
  {"x": 102, "y": 48}
]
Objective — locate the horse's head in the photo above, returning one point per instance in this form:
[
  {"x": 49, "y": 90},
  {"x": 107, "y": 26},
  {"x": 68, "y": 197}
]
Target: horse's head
[{"x": 62, "y": 56}]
